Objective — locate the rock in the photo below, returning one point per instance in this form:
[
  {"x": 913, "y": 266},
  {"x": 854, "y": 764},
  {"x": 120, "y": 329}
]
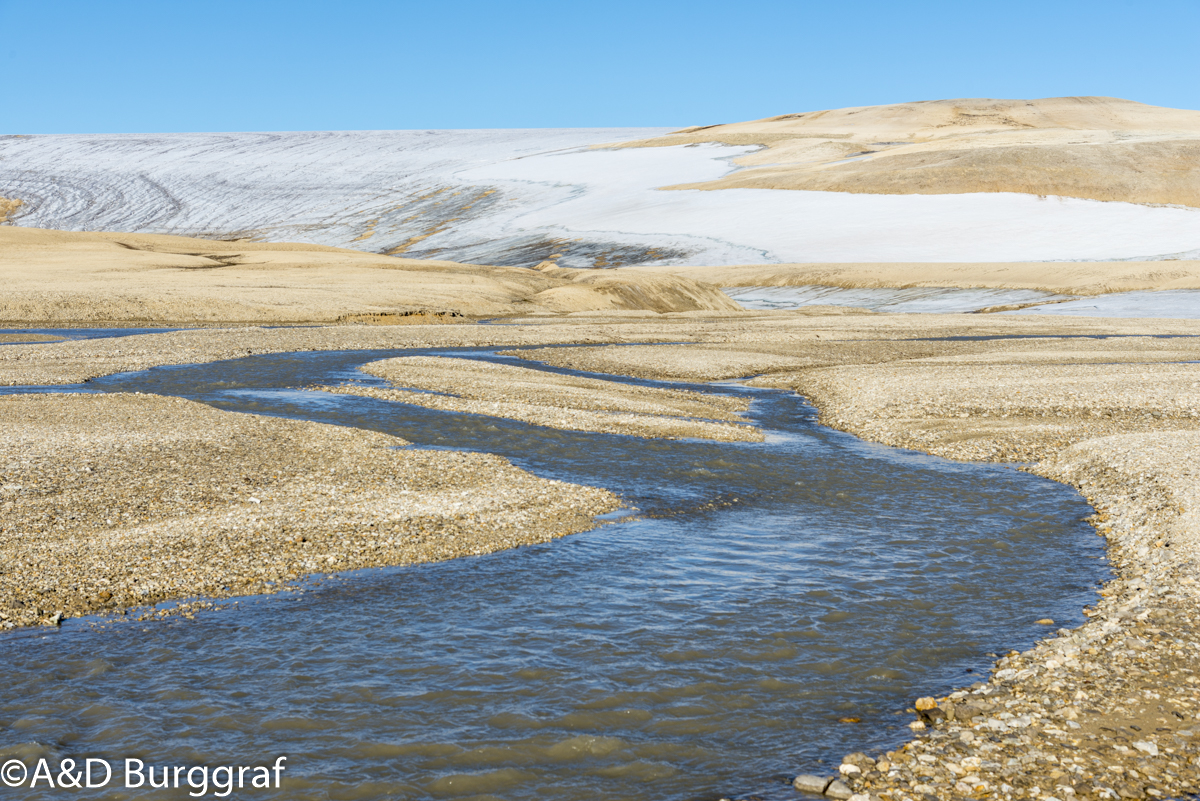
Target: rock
[
  {"x": 808, "y": 783},
  {"x": 1146, "y": 747},
  {"x": 1045, "y": 622},
  {"x": 837, "y": 789},
  {"x": 931, "y": 716},
  {"x": 848, "y": 769},
  {"x": 917, "y": 725},
  {"x": 56, "y": 619},
  {"x": 923, "y": 704}
]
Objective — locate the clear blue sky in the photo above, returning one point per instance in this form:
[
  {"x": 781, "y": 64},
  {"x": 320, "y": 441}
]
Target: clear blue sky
[{"x": 91, "y": 66}]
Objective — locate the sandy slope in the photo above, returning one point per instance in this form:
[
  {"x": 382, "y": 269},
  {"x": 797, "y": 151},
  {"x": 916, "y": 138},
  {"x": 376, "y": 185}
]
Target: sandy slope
[
  {"x": 1099, "y": 148},
  {"x": 66, "y": 277}
]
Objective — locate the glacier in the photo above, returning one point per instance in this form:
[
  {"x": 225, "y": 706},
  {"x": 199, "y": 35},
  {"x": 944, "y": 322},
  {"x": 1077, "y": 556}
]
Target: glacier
[{"x": 516, "y": 197}]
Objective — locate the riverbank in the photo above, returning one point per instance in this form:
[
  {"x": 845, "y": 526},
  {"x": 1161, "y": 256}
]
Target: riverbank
[
  {"x": 117, "y": 502},
  {"x": 1111, "y": 709}
]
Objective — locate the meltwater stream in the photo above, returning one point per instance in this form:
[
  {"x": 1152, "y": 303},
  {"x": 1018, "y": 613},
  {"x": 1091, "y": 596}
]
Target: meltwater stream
[{"x": 708, "y": 647}]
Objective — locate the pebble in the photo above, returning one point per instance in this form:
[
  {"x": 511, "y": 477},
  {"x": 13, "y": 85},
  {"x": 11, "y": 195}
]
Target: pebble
[{"x": 119, "y": 502}]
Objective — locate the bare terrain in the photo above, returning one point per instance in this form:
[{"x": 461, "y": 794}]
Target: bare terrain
[
  {"x": 1068, "y": 278},
  {"x": 59, "y": 277},
  {"x": 555, "y": 400},
  {"x": 110, "y": 502},
  {"x": 1099, "y": 148},
  {"x": 167, "y": 499}
]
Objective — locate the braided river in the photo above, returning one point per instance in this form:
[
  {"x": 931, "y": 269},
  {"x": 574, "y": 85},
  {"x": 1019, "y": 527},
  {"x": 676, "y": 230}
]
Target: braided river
[{"x": 709, "y": 641}]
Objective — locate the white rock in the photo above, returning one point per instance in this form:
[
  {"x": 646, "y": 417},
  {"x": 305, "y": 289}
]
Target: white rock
[{"x": 1146, "y": 747}]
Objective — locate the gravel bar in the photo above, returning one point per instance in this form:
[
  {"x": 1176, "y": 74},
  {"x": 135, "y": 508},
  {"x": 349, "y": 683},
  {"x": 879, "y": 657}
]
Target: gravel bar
[
  {"x": 554, "y": 400},
  {"x": 109, "y": 502}
]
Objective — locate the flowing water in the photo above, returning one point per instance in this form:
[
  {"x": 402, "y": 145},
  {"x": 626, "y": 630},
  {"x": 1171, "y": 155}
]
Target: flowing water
[{"x": 706, "y": 646}]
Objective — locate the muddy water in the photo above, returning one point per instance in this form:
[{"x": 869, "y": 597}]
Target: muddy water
[{"x": 708, "y": 647}]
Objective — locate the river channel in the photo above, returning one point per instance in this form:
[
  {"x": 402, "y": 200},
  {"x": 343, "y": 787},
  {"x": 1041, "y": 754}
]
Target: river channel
[{"x": 704, "y": 643}]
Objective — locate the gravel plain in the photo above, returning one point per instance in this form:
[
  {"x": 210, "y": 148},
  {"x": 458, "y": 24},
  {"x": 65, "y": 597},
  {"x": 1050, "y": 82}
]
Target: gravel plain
[{"x": 1108, "y": 710}]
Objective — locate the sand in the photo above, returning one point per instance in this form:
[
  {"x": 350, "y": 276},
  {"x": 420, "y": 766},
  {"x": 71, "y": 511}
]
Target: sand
[
  {"x": 1097, "y": 148},
  {"x": 555, "y": 400},
  {"x": 8, "y": 208},
  {"x": 57, "y": 277},
  {"x": 1068, "y": 278}
]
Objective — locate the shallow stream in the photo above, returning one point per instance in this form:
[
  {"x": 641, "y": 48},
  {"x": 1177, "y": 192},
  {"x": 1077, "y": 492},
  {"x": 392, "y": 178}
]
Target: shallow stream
[{"x": 706, "y": 646}]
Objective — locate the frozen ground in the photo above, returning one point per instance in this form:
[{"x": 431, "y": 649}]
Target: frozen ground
[
  {"x": 515, "y": 197},
  {"x": 1179, "y": 303},
  {"x": 928, "y": 300}
]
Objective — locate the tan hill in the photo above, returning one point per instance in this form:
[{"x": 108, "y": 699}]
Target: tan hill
[
  {"x": 1101, "y": 148},
  {"x": 54, "y": 277}
]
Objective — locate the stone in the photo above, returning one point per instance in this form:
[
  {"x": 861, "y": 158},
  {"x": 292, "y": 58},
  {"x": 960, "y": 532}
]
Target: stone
[
  {"x": 848, "y": 769},
  {"x": 925, "y": 703},
  {"x": 859, "y": 758},
  {"x": 932, "y": 716},
  {"x": 808, "y": 783},
  {"x": 1146, "y": 747},
  {"x": 837, "y": 789},
  {"x": 1045, "y": 622}
]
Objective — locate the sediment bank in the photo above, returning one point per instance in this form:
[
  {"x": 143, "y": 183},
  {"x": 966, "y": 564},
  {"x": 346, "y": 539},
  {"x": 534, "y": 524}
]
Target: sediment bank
[
  {"x": 555, "y": 400},
  {"x": 109, "y": 502}
]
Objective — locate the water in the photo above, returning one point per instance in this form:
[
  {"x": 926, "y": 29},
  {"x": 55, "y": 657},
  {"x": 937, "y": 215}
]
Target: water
[
  {"x": 708, "y": 646},
  {"x": 909, "y": 300},
  {"x": 1182, "y": 304}
]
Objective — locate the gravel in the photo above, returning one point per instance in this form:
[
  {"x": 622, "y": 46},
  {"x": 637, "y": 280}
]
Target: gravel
[
  {"x": 1108, "y": 710},
  {"x": 1112, "y": 708},
  {"x": 555, "y": 400},
  {"x": 111, "y": 502}
]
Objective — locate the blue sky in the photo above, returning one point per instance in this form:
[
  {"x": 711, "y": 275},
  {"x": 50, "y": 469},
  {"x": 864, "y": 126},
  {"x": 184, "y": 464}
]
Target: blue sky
[{"x": 92, "y": 66}]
